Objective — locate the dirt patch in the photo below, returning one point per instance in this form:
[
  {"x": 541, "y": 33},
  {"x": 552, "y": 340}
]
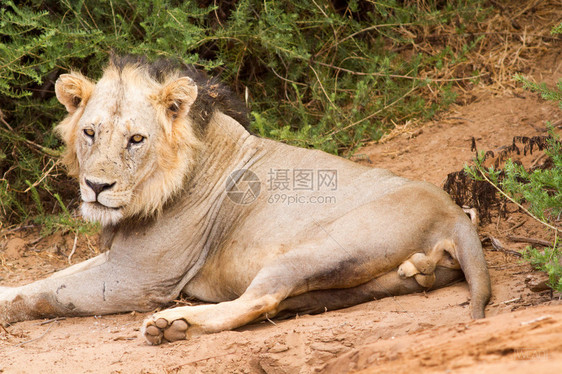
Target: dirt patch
[
  {"x": 431, "y": 152},
  {"x": 519, "y": 342},
  {"x": 15, "y": 248}
]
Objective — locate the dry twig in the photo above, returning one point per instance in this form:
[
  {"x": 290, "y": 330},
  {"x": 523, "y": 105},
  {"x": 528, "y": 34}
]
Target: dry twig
[
  {"x": 498, "y": 246},
  {"x": 73, "y": 249},
  {"x": 35, "y": 339},
  {"x": 522, "y": 239}
]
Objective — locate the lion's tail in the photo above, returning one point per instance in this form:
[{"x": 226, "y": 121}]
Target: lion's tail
[{"x": 473, "y": 264}]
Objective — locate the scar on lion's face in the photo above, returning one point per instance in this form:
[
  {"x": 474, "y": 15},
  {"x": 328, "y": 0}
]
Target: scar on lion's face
[{"x": 129, "y": 140}]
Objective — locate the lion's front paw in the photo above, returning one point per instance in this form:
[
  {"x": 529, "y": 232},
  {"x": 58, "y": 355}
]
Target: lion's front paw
[{"x": 159, "y": 330}]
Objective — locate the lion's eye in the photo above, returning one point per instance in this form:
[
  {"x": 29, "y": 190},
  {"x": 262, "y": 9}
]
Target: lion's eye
[
  {"x": 89, "y": 133},
  {"x": 136, "y": 139}
]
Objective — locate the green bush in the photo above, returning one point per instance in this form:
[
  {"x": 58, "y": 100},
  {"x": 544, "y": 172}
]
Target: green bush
[{"x": 322, "y": 74}]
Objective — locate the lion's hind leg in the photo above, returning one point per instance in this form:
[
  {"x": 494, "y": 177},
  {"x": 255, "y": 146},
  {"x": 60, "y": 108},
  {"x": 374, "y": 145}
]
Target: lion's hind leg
[
  {"x": 309, "y": 267},
  {"x": 305, "y": 270},
  {"x": 389, "y": 284},
  {"x": 184, "y": 322}
]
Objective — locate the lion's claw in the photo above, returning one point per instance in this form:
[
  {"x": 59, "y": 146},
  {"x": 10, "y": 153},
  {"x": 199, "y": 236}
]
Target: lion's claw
[{"x": 160, "y": 331}]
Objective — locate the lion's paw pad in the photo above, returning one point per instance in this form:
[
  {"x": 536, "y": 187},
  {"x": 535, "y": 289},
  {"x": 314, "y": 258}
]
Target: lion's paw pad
[{"x": 160, "y": 330}]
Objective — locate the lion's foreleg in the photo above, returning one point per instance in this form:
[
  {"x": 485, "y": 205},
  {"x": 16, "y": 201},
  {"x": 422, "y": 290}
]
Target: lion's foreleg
[
  {"x": 95, "y": 287},
  {"x": 77, "y": 268}
]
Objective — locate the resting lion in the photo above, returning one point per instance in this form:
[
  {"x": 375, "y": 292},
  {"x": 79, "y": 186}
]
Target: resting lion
[{"x": 191, "y": 202}]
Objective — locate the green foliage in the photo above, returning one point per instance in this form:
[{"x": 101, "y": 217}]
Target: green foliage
[
  {"x": 64, "y": 222},
  {"x": 36, "y": 198},
  {"x": 323, "y": 74},
  {"x": 541, "y": 88},
  {"x": 547, "y": 260},
  {"x": 541, "y": 188},
  {"x": 557, "y": 29}
]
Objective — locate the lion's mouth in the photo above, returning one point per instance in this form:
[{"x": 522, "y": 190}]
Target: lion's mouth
[
  {"x": 106, "y": 215},
  {"x": 100, "y": 205}
]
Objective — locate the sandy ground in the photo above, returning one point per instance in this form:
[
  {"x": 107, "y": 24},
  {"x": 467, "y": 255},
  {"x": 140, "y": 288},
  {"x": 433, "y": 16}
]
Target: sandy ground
[{"x": 414, "y": 333}]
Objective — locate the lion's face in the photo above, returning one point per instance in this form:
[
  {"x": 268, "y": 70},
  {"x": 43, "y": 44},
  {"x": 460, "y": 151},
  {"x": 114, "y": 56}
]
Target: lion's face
[{"x": 129, "y": 140}]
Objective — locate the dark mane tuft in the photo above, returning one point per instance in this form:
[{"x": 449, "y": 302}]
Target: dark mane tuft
[{"x": 212, "y": 94}]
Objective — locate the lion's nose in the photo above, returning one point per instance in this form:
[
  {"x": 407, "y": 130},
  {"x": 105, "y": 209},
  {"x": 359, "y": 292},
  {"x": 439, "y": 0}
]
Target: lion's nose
[{"x": 99, "y": 187}]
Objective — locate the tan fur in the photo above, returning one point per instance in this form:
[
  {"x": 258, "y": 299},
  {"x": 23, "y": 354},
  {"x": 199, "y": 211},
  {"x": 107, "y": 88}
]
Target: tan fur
[{"x": 69, "y": 87}]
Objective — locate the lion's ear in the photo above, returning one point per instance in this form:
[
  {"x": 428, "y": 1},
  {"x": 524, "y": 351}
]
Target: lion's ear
[
  {"x": 178, "y": 96},
  {"x": 73, "y": 89}
]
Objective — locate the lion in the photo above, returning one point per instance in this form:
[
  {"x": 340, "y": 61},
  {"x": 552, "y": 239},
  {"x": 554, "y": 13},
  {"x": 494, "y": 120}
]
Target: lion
[{"x": 191, "y": 202}]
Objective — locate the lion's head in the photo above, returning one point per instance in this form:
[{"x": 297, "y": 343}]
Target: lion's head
[{"x": 130, "y": 138}]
